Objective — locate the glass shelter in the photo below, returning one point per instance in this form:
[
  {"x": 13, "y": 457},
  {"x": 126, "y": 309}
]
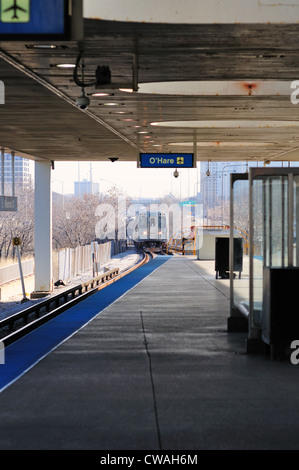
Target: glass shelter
[{"x": 272, "y": 217}]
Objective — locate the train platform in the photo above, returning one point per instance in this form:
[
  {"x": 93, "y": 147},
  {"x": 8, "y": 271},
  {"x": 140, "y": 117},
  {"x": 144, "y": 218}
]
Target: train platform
[{"x": 150, "y": 367}]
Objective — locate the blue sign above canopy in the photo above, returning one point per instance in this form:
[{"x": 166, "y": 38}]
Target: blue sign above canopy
[
  {"x": 33, "y": 19},
  {"x": 166, "y": 160}
]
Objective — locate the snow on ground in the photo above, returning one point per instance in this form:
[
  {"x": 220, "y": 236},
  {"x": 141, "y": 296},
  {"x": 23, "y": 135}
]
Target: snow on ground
[{"x": 122, "y": 261}]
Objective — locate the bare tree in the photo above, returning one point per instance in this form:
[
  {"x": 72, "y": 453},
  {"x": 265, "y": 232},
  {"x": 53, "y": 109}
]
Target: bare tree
[
  {"x": 74, "y": 221},
  {"x": 112, "y": 214},
  {"x": 18, "y": 224}
]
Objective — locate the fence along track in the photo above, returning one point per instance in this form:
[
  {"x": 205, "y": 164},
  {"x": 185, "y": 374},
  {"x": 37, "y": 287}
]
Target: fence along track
[{"x": 22, "y": 323}]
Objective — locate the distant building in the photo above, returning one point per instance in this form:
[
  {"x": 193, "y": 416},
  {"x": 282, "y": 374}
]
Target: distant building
[
  {"x": 215, "y": 180},
  {"x": 22, "y": 171},
  {"x": 86, "y": 187}
]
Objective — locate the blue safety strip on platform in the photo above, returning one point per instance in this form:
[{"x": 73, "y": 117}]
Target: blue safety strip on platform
[{"x": 27, "y": 351}]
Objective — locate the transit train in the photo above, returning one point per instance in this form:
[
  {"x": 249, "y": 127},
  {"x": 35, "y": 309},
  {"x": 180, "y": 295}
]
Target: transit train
[{"x": 150, "y": 230}]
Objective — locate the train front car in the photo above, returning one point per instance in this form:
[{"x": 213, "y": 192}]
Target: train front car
[{"x": 152, "y": 230}]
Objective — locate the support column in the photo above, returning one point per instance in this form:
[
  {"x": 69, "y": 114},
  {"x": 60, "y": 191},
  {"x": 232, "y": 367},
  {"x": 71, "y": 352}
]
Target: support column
[{"x": 43, "y": 230}]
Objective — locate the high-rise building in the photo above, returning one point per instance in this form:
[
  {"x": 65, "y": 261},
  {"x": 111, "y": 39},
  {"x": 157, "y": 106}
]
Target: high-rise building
[
  {"x": 21, "y": 169},
  {"x": 86, "y": 187},
  {"x": 215, "y": 180}
]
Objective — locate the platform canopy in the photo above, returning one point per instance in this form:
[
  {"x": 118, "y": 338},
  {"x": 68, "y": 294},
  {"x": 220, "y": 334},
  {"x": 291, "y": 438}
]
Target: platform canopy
[{"x": 221, "y": 89}]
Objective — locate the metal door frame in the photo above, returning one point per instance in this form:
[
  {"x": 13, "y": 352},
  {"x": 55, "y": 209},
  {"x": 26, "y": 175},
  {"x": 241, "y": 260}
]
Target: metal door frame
[
  {"x": 255, "y": 173},
  {"x": 234, "y": 312}
]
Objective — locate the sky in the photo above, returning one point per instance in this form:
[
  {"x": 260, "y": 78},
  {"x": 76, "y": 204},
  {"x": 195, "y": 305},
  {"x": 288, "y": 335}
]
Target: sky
[{"x": 135, "y": 182}]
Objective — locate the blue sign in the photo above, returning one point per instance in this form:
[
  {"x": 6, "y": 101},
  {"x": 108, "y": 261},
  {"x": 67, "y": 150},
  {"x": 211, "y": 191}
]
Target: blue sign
[
  {"x": 166, "y": 160},
  {"x": 36, "y": 19},
  {"x": 188, "y": 203}
]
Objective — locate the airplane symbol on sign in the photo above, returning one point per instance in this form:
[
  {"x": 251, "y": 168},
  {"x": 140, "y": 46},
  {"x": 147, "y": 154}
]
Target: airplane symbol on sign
[
  {"x": 180, "y": 160},
  {"x": 15, "y": 8}
]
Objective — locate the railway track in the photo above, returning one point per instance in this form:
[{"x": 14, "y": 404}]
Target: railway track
[{"x": 19, "y": 324}]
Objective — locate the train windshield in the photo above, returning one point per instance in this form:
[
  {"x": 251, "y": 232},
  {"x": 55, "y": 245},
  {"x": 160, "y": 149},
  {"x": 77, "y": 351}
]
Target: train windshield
[
  {"x": 143, "y": 222},
  {"x": 152, "y": 221}
]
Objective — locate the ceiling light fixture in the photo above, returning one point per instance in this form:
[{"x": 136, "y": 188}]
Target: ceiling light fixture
[
  {"x": 42, "y": 46},
  {"x": 100, "y": 94},
  {"x": 66, "y": 66}
]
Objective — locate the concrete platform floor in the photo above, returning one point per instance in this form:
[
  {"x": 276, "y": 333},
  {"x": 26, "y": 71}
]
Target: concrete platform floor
[{"x": 156, "y": 370}]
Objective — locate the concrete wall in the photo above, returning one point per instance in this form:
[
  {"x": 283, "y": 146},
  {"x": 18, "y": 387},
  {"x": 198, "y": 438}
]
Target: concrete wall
[{"x": 11, "y": 272}]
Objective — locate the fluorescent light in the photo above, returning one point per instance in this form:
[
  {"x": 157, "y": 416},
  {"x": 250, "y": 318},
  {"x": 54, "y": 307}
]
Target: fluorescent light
[
  {"x": 41, "y": 46},
  {"x": 240, "y": 124},
  {"x": 100, "y": 94},
  {"x": 66, "y": 66}
]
